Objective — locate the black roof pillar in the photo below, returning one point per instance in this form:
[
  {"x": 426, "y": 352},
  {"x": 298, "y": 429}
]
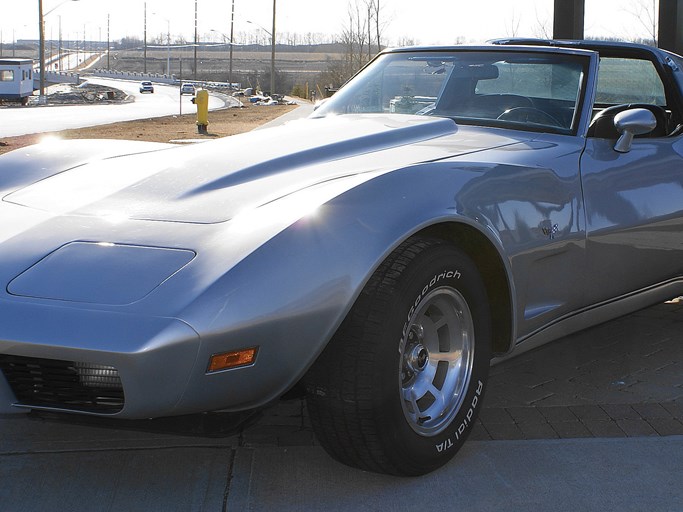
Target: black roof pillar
[
  {"x": 670, "y": 35},
  {"x": 568, "y": 19}
]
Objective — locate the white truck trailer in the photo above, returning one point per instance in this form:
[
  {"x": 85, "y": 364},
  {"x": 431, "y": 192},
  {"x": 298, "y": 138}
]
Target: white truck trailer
[{"x": 16, "y": 79}]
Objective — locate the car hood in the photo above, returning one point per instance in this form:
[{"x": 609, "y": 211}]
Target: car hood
[{"x": 212, "y": 182}]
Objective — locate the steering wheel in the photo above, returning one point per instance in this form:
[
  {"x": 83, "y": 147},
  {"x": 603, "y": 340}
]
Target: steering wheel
[{"x": 528, "y": 115}]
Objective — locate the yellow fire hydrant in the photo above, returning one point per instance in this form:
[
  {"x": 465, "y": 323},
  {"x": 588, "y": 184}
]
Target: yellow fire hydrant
[{"x": 201, "y": 99}]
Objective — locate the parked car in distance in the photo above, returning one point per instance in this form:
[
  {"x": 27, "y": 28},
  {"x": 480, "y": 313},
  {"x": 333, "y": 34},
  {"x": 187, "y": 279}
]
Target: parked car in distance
[
  {"x": 187, "y": 89},
  {"x": 447, "y": 207},
  {"x": 146, "y": 87}
]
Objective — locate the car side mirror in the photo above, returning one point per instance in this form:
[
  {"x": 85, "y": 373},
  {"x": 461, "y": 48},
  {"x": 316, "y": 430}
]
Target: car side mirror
[{"x": 632, "y": 122}]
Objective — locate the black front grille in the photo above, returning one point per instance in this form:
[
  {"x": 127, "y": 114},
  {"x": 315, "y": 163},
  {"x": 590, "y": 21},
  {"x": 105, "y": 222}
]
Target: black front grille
[{"x": 58, "y": 384}]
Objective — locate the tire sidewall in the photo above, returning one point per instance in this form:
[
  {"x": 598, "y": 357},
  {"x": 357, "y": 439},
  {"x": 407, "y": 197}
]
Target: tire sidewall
[{"x": 439, "y": 266}]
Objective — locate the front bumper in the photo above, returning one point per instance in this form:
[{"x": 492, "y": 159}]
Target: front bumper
[{"x": 152, "y": 356}]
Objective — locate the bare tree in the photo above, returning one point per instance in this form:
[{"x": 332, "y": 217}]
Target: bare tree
[
  {"x": 289, "y": 38},
  {"x": 645, "y": 11},
  {"x": 406, "y": 41},
  {"x": 358, "y": 40},
  {"x": 354, "y": 35},
  {"x": 377, "y": 11},
  {"x": 513, "y": 29},
  {"x": 368, "y": 4},
  {"x": 543, "y": 28},
  {"x": 361, "y": 34}
]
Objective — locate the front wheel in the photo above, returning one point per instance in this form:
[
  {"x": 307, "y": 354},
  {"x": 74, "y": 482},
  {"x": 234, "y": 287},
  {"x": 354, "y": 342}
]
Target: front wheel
[{"x": 398, "y": 388}]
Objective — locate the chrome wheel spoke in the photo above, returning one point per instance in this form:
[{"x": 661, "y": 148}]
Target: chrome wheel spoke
[{"x": 436, "y": 360}]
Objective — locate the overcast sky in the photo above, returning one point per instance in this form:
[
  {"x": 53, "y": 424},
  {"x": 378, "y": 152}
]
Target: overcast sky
[{"x": 424, "y": 21}]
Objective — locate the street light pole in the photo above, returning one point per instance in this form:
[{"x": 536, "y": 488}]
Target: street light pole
[
  {"x": 41, "y": 52},
  {"x": 145, "y": 36},
  {"x": 168, "y": 43},
  {"x": 272, "y": 50},
  {"x": 232, "y": 32},
  {"x": 225, "y": 38},
  {"x": 61, "y": 66},
  {"x": 41, "y": 46},
  {"x": 272, "y": 55},
  {"x": 168, "y": 48},
  {"x": 195, "y": 40}
]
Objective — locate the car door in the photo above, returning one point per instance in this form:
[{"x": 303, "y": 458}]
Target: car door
[{"x": 633, "y": 200}]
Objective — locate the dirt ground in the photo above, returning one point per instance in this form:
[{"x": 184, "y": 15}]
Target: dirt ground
[{"x": 163, "y": 129}]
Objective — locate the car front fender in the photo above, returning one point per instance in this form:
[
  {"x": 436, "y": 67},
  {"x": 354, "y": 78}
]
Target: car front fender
[{"x": 290, "y": 295}]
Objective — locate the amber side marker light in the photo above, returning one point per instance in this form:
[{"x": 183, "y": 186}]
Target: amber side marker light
[{"x": 228, "y": 360}]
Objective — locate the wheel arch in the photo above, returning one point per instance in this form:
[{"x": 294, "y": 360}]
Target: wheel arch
[{"x": 493, "y": 272}]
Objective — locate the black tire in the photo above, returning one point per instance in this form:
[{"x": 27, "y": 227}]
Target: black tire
[{"x": 389, "y": 349}]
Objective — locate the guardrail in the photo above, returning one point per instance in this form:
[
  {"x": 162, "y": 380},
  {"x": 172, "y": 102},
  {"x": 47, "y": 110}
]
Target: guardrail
[
  {"x": 56, "y": 77},
  {"x": 125, "y": 75},
  {"x": 158, "y": 78}
]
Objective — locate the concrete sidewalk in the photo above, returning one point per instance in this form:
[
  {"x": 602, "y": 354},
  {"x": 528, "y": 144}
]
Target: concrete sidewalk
[
  {"x": 549, "y": 475},
  {"x": 172, "y": 475}
]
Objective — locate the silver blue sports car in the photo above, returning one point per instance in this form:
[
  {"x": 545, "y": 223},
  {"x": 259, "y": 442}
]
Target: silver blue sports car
[{"x": 449, "y": 206}]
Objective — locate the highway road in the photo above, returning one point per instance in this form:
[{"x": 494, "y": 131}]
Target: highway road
[{"x": 39, "y": 119}]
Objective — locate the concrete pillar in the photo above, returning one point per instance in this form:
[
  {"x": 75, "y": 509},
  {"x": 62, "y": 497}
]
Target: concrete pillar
[
  {"x": 670, "y": 36},
  {"x": 568, "y": 19}
]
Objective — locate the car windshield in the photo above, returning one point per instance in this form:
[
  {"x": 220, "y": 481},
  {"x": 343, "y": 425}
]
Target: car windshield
[{"x": 528, "y": 90}]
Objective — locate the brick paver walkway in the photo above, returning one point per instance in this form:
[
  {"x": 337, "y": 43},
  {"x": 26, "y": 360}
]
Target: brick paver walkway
[{"x": 619, "y": 379}]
